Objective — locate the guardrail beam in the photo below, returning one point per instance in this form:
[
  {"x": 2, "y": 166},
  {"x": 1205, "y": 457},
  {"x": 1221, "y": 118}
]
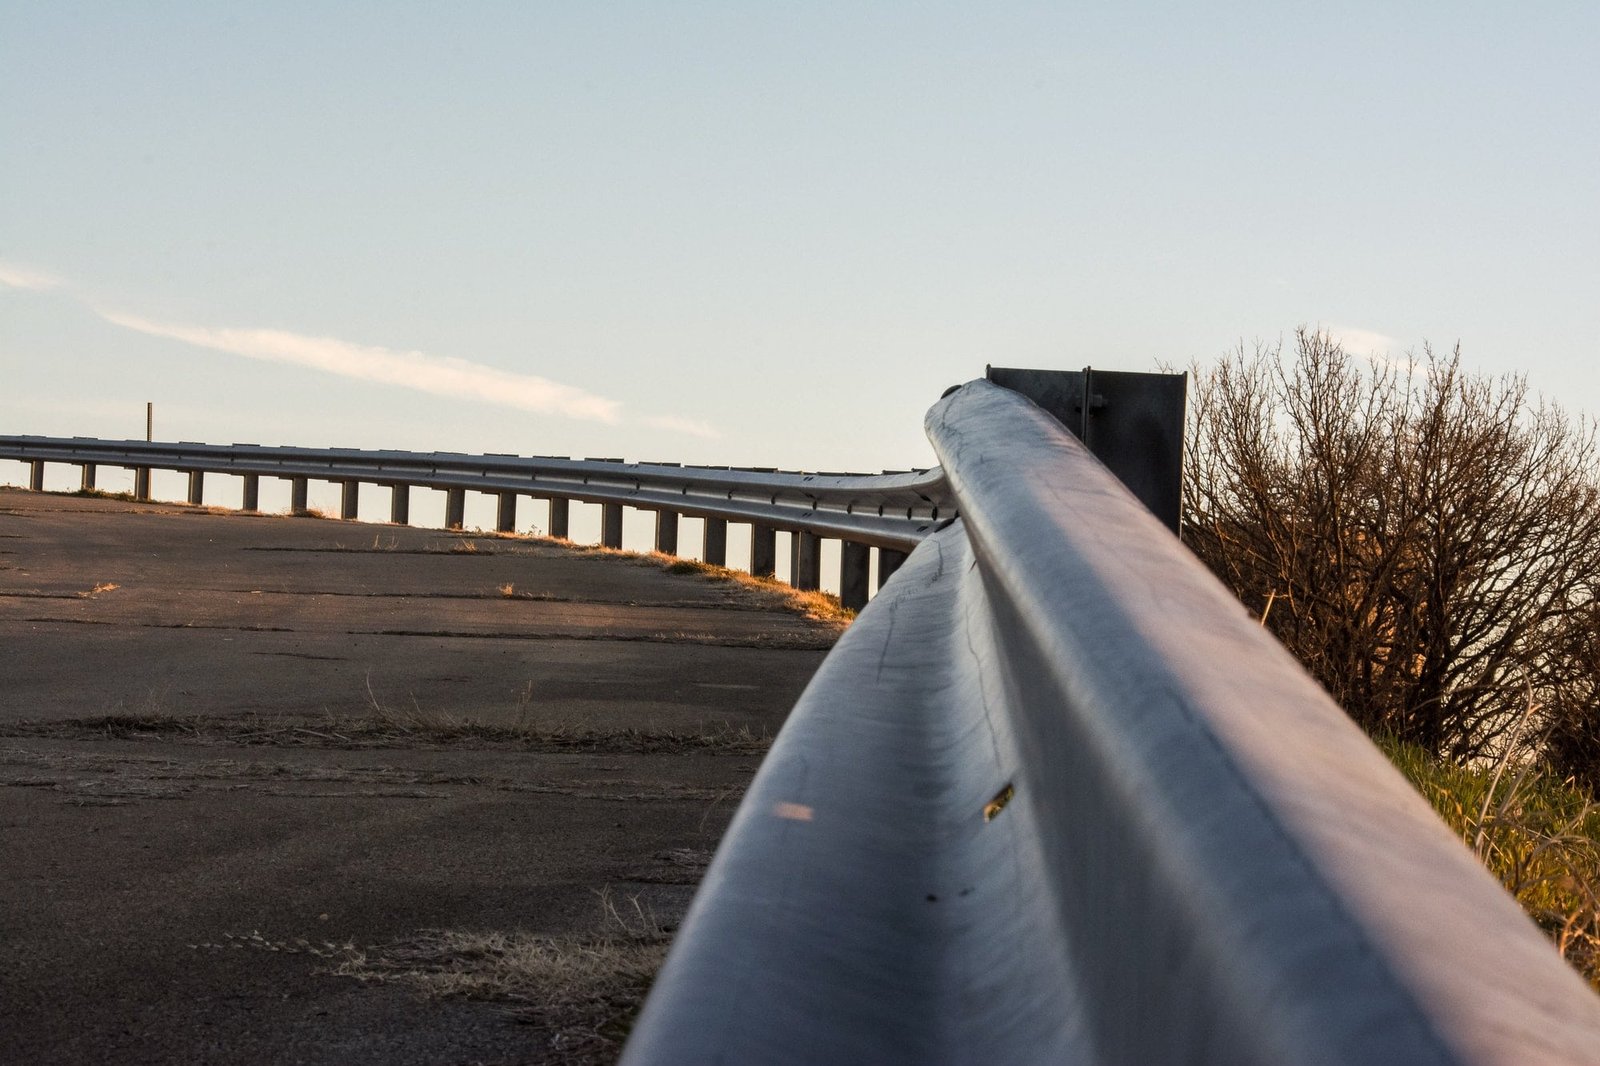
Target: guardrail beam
[
  {"x": 1055, "y": 798},
  {"x": 889, "y": 510}
]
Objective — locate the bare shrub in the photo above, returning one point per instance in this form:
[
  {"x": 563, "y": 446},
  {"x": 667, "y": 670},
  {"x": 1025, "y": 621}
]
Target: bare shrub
[{"x": 1423, "y": 539}]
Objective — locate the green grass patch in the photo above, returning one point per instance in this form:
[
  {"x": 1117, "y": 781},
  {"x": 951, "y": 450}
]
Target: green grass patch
[{"x": 1539, "y": 835}]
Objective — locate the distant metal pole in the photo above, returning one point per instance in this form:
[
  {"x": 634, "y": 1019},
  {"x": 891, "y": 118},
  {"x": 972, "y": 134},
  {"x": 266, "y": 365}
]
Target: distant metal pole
[{"x": 149, "y": 422}]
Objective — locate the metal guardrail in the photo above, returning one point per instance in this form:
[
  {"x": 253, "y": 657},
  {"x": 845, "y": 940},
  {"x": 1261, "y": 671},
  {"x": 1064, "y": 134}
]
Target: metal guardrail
[
  {"x": 890, "y": 512},
  {"x": 1055, "y": 798},
  {"x": 1052, "y": 798}
]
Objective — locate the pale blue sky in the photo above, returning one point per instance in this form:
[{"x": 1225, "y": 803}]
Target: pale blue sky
[{"x": 758, "y": 233}]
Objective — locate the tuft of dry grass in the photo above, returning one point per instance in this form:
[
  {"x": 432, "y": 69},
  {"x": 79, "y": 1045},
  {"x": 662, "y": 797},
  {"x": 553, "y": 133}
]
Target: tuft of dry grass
[
  {"x": 814, "y": 604},
  {"x": 583, "y": 991},
  {"x": 464, "y": 547},
  {"x": 1540, "y": 836},
  {"x": 508, "y": 590},
  {"x": 104, "y": 586}
]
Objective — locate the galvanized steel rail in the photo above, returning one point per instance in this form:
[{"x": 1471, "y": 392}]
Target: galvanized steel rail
[
  {"x": 1055, "y": 798},
  {"x": 890, "y": 512},
  {"x": 1052, "y": 798}
]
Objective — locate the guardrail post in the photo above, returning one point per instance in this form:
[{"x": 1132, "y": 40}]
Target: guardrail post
[
  {"x": 505, "y": 515},
  {"x": 611, "y": 525},
  {"x": 252, "y": 493},
  {"x": 560, "y": 517},
  {"x": 805, "y": 560},
  {"x": 763, "y": 550},
  {"x": 141, "y": 483},
  {"x": 197, "y": 487},
  {"x": 297, "y": 495},
  {"x": 87, "y": 484},
  {"x": 715, "y": 549},
  {"x": 36, "y": 475},
  {"x": 349, "y": 494},
  {"x": 667, "y": 532},
  {"x": 455, "y": 508},
  {"x": 855, "y": 560},
  {"x": 889, "y": 561},
  {"x": 400, "y": 504}
]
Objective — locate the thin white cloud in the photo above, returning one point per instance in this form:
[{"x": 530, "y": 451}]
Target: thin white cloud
[
  {"x": 17, "y": 276},
  {"x": 690, "y": 426},
  {"x": 1362, "y": 341},
  {"x": 435, "y": 374},
  {"x": 1375, "y": 347}
]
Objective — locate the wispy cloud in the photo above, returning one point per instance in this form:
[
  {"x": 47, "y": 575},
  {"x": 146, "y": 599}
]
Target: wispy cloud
[
  {"x": 17, "y": 276},
  {"x": 439, "y": 375},
  {"x": 690, "y": 426},
  {"x": 1375, "y": 347},
  {"x": 436, "y": 374}
]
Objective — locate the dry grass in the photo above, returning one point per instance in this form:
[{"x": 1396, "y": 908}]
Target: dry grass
[
  {"x": 583, "y": 992},
  {"x": 1538, "y": 835},
  {"x": 395, "y": 730},
  {"x": 814, "y": 604}
]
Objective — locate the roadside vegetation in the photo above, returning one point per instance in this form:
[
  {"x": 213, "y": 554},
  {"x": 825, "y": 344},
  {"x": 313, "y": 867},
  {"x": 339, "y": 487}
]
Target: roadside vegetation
[
  {"x": 815, "y": 604},
  {"x": 1538, "y": 834},
  {"x": 583, "y": 992},
  {"x": 1427, "y": 543}
]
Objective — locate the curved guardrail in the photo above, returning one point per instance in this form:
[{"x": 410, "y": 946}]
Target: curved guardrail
[
  {"x": 890, "y": 512},
  {"x": 1055, "y": 798}
]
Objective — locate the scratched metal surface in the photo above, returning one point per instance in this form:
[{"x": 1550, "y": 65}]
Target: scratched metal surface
[{"x": 1054, "y": 798}]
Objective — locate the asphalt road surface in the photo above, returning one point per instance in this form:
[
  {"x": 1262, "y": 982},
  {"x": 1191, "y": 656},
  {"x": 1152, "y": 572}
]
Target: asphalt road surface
[{"x": 265, "y": 781}]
